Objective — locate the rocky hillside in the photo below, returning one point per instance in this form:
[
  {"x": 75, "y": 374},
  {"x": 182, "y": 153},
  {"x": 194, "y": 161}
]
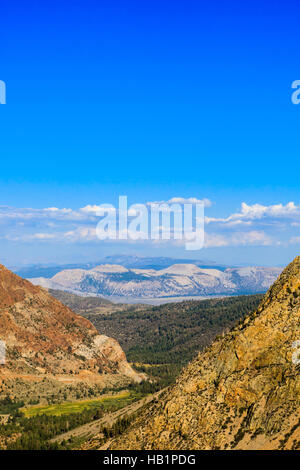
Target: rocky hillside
[
  {"x": 176, "y": 280},
  {"x": 45, "y": 339},
  {"x": 242, "y": 392},
  {"x": 161, "y": 340},
  {"x": 85, "y": 305}
]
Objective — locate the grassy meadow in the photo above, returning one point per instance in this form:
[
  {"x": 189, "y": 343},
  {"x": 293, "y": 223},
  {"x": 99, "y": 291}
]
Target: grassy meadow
[{"x": 119, "y": 400}]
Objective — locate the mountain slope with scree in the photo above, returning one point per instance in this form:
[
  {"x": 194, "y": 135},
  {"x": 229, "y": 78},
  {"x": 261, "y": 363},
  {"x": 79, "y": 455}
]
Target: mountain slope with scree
[{"x": 242, "y": 392}]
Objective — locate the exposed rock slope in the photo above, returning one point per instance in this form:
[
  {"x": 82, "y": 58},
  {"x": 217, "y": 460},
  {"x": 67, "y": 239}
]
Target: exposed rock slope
[
  {"x": 243, "y": 392},
  {"x": 45, "y": 338}
]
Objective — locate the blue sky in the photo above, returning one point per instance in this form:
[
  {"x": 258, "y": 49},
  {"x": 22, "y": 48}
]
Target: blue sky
[{"x": 153, "y": 100}]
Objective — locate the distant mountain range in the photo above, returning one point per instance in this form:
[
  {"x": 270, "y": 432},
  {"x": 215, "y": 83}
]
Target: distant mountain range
[
  {"x": 177, "y": 280},
  {"x": 129, "y": 262}
]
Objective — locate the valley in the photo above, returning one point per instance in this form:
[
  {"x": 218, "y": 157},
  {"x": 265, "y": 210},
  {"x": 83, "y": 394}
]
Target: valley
[
  {"x": 80, "y": 380},
  {"x": 167, "y": 337}
]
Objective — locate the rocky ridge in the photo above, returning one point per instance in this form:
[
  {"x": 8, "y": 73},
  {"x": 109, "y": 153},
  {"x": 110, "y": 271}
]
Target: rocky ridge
[
  {"x": 242, "y": 392},
  {"x": 43, "y": 338}
]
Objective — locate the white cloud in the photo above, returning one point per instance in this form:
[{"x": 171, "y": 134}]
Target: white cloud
[
  {"x": 252, "y": 225},
  {"x": 43, "y": 236},
  {"x": 254, "y": 238},
  {"x": 214, "y": 240},
  {"x": 97, "y": 211},
  {"x": 78, "y": 234},
  {"x": 181, "y": 200},
  {"x": 48, "y": 213},
  {"x": 191, "y": 200},
  {"x": 294, "y": 241},
  {"x": 257, "y": 212},
  {"x": 30, "y": 237},
  {"x": 81, "y": 234}
]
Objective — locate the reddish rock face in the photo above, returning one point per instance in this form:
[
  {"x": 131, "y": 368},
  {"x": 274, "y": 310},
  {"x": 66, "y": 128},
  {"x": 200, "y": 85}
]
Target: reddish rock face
[{"x": 43, "y": 336}]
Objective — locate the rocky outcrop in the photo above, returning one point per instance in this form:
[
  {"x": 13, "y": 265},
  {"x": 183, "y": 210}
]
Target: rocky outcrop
[
  {"x": 45, "y": 338},
  {"x": 243, "y": 392}
]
